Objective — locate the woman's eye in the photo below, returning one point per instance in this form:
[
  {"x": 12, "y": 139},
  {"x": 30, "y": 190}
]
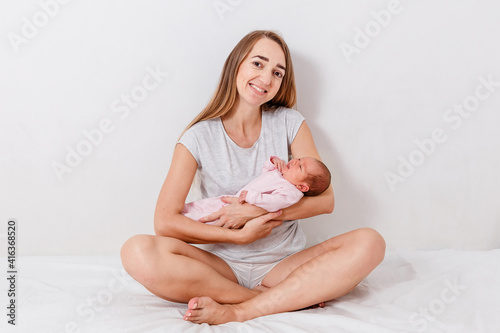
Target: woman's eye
[
  {"x": 257, "y": 64},
  {"x": 278, "y": 75}
]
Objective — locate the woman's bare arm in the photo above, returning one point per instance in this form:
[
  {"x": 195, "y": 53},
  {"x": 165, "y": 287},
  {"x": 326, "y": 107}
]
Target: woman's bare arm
[
  {"x": 169, "y": 221},
  {"x": 310, "y": 206},
  {"x": 302, "y": 146}
]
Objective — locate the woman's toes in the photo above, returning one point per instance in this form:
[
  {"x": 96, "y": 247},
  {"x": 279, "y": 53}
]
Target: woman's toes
[
  {"x": 192, "y": 315},
  {"x": 194, "y": 303}
]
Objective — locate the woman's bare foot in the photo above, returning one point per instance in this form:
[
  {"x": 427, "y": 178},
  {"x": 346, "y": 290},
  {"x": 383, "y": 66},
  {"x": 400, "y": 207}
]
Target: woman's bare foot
[
  {"x": 261, "y": 288},
  {"x": 206, "y": 310}
]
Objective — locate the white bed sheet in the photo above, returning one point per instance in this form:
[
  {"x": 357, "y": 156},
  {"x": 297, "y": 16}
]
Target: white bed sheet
[{"x": 414, "y": 291}]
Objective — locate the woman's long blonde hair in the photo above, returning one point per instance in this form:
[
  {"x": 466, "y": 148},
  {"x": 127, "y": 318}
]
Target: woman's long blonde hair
[{"x": 225, "y": 95}]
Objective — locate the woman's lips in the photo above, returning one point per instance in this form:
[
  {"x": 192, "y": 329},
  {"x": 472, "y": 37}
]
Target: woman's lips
[{"x": 257, "y": 88}]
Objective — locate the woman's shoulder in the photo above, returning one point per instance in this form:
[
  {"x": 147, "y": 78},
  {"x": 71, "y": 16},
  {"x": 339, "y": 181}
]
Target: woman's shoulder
[
  {"x": 201, "y": 128},
  {"x": 282, "y": 110},
  {"x": 286, "y": 114}
]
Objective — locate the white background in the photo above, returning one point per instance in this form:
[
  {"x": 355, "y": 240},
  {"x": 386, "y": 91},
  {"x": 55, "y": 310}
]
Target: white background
[{"x": 366, "y": 111}]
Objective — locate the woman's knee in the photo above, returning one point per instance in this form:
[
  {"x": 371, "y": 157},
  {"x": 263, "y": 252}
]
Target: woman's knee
[
  {"x": 135, "y": 251},
  {"x": 371, "y": 243},
  {"x": 142, "y": 252}
]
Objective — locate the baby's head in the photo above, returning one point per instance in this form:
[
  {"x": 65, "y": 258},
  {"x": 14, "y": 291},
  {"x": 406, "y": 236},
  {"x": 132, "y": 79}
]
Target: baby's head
[{"x": 308, "y": 174}]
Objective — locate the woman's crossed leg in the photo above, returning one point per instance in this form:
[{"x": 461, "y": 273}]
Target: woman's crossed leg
[
  {"x": 177, "y": 271},
  {"x": 320, "y": 273}
]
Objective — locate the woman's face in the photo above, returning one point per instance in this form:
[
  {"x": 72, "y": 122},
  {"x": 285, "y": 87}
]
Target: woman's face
[{"x": 261, "y": 72}]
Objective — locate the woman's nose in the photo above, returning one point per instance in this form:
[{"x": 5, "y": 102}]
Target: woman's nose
[{"x": 265, "y": 77}]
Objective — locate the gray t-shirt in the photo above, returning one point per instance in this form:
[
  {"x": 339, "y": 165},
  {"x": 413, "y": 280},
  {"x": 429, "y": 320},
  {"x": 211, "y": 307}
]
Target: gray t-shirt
[{"x": 224, "y": 168}]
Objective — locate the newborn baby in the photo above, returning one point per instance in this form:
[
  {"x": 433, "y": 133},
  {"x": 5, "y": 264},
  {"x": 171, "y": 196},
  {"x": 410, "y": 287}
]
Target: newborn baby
[{"x": 279, "y": 185}]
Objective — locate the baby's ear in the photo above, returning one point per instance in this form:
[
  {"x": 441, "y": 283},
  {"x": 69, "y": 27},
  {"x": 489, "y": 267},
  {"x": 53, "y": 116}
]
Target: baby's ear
[{"x": 303, "y": 187}]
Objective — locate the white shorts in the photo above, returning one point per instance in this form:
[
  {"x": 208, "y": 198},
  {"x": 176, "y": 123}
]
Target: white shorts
[{"x": 250, "y": 275}]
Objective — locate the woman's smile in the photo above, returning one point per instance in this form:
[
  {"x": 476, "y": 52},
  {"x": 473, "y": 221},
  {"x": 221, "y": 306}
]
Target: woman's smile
[{"x": 258, "y": 89}]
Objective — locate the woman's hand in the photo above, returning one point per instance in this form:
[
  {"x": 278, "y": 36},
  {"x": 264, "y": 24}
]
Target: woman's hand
[
  {"x": 258, "y": 228},
  {"x": 234, "y": 215}
]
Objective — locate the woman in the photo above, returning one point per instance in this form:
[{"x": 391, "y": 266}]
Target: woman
[{"x": 253, "y": 262}]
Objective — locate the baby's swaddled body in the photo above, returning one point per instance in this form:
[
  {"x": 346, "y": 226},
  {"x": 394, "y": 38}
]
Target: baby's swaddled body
[{"x": 269, "y": 191}]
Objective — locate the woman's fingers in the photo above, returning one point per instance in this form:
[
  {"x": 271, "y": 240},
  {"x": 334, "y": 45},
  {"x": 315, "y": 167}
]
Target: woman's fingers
[
  {"x": 271, "y": 216},
  {"x": 260, "y": 227},
  {"x": 211, "y": 217},
  {"x": 220, "y": 213},
  {"x": 220, "y": 223},
  {"x": 267, "y": 219},
  {"x": 226, "y": 222},
  {"x": 229, "y": 200},
  {"x": 275, "y": 223}
]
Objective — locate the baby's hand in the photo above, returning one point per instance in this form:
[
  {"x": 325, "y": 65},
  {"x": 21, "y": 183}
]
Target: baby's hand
[
  {"x": 242, "y": 197},
  {"x": 278, "y": 163}
]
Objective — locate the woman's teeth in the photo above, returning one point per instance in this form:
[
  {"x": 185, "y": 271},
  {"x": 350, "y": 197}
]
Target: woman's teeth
[{"x": 257, "y": 88}]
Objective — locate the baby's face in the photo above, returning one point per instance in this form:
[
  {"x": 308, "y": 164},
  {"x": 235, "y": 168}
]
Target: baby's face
[{"x": 297, "y": 170}]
